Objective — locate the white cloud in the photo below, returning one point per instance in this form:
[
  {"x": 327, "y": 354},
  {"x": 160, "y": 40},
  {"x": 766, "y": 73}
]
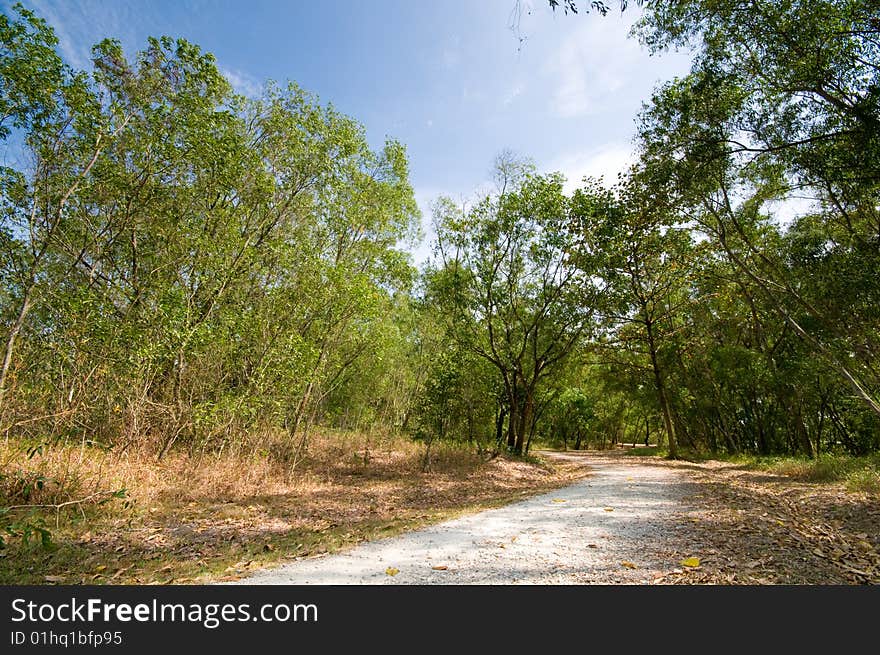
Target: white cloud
[
  {"x": 243, "y": 83},
  {"x": 790, "y": 208},
  {"x": 451, "y": 58},
  {"x": 421, "y": 251},
  {"x": 595, "y": 61},
  {"x": 604, "y": 162},
  {"x": 517, "y": 90},
  {"x": 74, "y": 49}
]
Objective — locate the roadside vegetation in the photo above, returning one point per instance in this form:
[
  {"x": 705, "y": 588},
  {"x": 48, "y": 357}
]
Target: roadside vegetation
[{"x": 194, "y": 519}]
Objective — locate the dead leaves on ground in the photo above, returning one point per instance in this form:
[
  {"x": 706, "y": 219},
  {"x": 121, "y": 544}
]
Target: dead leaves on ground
[{"x": 780, "y": 531}]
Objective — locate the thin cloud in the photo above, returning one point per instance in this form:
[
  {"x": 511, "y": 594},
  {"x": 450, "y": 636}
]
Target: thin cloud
[
  {"x": 73, "y": 44},
  {"x": 584, "y": 70},
  {"x": 243, "y": 83},
  {"x": 518, "y": 89},
  {"x": 604, "y": 162},
  {"x": 450, "y": 57}
]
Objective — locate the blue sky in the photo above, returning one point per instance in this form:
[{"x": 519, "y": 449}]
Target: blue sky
[{"x": 448, "y": 78}]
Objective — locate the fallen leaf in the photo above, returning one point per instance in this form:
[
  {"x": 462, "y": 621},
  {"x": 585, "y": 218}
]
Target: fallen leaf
[
  {"x": 609, "y": 509},
  {"x": 559, "y": 500},
  {"x": 690, "y": 562},
  {"x": 592, "y": 546},
  {"x": 440, "y": 568},
  {"x": 391, "y": 571},
  {"x": 100, "y": 567},
  {"x": 54, "y": 578},
  {"x": 628, "y": 565}
]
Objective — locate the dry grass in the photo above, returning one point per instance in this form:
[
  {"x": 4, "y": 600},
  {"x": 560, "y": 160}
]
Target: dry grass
[{"x": 196, "y": 519}]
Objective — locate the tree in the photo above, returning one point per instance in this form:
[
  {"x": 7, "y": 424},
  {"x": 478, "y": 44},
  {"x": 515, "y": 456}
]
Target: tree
[
  {"x": 645, "y": 263},
  {"x": 782, "y": 98},
  {"x": 180, "y": 264},
  {"x": 509, "y": 287},
  {"x": 45, "y": 107}
]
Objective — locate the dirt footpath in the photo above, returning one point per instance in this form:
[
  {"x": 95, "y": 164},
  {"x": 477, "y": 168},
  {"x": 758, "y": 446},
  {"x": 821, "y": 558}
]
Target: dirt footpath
[{"x": 625, "y": 523}]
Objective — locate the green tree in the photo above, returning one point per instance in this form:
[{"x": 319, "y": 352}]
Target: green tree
[
  {"x": 509, "y": 286},
  {"x": 782, "y": 98}
]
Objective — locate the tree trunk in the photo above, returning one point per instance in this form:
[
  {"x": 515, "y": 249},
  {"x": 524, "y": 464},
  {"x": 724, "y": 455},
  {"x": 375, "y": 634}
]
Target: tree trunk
[
  {"x": 524, "y": 422},
  {"x": 499, "y": 427},
  {"x": 822, "y": 350},
  {"x": 513, "y": 422},
  {"x": 661, "y": 393},
  {"x": 803, "y": 435},
  {"x": 10, "y": 341}
]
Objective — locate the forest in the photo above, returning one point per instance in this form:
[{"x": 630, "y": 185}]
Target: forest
[{"x": 187, "y": 270}]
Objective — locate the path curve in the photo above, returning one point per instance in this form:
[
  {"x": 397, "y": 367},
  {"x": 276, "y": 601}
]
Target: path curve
[{"x": 621, "y": 524}]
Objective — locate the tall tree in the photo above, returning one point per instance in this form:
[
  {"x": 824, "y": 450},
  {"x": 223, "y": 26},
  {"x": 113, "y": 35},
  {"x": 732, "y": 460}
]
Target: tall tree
[
  {"x": 646, "y": 263},
  {"x": 509, "y": 286},
  {"x": 783, "y": 98}
]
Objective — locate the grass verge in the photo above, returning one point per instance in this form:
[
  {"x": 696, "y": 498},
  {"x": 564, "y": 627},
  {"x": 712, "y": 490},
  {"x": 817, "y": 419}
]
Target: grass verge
[
  {"x": 193, "y": 519},
  {"x": 858, "y": 474}
]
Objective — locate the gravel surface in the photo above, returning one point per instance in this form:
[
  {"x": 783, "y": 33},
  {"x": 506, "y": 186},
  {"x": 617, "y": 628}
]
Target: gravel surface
[{"x": 625, "y": 523}]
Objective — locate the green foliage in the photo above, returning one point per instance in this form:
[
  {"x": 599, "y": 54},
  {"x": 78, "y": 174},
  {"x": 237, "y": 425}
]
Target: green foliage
[
  {"x": 184, "y": 265},
  {"x": 508, "y": 287},
  {"x": 26, "y": 529}
]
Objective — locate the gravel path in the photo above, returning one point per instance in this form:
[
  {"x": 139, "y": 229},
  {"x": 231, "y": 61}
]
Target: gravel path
[{"x": 622, "y": 524}]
